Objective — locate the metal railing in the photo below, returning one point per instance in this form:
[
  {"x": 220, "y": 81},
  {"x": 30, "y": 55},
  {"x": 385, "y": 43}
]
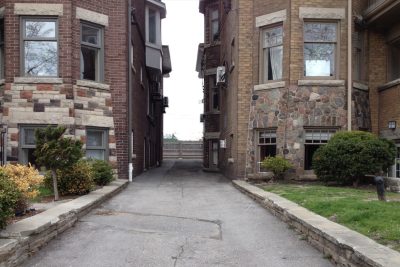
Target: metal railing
[{"x": 183, "y": 149}]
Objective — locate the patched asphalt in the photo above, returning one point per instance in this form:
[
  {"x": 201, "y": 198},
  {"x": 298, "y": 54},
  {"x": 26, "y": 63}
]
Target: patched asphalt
[{"x": 178, "y": 215}]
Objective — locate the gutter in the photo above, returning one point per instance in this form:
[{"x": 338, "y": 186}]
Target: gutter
[
  {"x": 130, "y": 94},
  {"x": 349, "y": 63}
]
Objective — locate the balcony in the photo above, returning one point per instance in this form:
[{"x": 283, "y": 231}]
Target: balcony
[{"x": 382, "y": 14}]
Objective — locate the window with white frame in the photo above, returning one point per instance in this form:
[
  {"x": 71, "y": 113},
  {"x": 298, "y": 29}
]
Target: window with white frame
[
  {"x": 97, "y": 143},
  {"x": 39, "y": 47},
  {"x": 314, "y": 138},
  {"x": 214, "y": 24},
  {"x": 271, "y": 54},
  {"x": 266, "y": 146},
  {"x": 394, "y": 171},
  {"x": 27, "y": 144},
  {"x": 92, "y": 48},
  {"x": 320, "y": 42}
]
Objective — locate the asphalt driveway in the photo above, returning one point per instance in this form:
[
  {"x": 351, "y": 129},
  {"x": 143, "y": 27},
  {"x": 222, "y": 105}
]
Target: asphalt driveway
[{"x": 178, "y": 215}]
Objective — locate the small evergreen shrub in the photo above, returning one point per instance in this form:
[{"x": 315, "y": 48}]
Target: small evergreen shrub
[
  {"x": 349, "y": 156},
  {"x": 9, "y": 196},
  {"x": 102, "y": 172},
  {"x": 278, "y": 165},
  {"x": 76, "y": 180}
]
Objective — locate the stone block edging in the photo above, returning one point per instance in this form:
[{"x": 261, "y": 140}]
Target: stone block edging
[
  {"x": 343, "y": 246},
  {"x": 20, "y": 240}
]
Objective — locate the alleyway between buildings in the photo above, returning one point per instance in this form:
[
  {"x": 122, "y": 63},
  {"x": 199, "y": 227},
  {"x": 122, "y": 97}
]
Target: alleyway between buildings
[{"x": 178, "y": 215}]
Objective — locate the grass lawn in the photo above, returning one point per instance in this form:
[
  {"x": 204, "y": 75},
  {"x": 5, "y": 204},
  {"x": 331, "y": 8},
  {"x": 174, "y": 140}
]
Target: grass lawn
[
  {"x": 357, "y": 209},
  {"x": 43, "y": 193}
]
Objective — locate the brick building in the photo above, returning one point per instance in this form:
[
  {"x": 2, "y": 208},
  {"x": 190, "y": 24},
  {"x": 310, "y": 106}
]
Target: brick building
[
  {"x": 277, "y": 80},
  {"x": 93, "y": 66}
]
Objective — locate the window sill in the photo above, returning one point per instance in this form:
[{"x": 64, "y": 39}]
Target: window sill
[
  {"x": 269, "y": 86},
  {"x": 321, "y": 82},
  {"x": 38, "y": 80},
  {"x": 389, "y": 85},
  {"x": 214, "y": 112},
  {"x": 2, "y": 81},
  {"x": 361, "y": 86},
  {"x": 91, "y": 84}
]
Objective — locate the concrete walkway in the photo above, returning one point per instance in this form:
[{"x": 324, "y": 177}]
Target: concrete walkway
[{"x": 179, "y": 216}]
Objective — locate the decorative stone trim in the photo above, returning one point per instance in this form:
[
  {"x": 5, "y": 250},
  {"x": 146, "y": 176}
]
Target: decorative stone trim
[
  {"x": 392, "y": 184},
  {"x": 36, "y": 80},
  {"x": 361, "y": 86},
  {"x": 91, "y": 16},
  {"x": 321, "y": 82},
  {"x": 389, "y": 85},
  {"x": 2, "y": 82},
  {"x": 21, "y": 239},
  {"x": 2, "y": 10},
  {"x": 91, "y": 84},
  {"x": 38, "y": 9},
  {"x": 342, "y": 245},
  {"x": 322, "y": 13},
  {"x": 271, "y": 18},
  {"x": 212, "y": 135},
  {"x": 269, "y": 86}
]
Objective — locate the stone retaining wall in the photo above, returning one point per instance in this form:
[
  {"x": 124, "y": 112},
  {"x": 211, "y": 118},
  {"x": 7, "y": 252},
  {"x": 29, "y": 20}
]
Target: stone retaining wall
[
  {"x": 392, "y": 184},
  {"x": 21, "y": 239},
  {"x": 343, "y": 246}
]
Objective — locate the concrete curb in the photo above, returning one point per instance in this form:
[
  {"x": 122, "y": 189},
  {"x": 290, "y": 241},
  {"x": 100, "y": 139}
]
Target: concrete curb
[
  {"x": 21, "y": 239},
  {"x": 343, "y": 246}
]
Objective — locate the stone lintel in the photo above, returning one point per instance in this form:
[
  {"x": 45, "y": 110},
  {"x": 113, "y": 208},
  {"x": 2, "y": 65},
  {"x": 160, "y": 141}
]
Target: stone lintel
[
  {"x": 212, "y": 135},
  {"x": 322, "y": 13},
  {"x": 38, "y": 9},
  {"x": 389, "y": 85},
  {"x": 271, "y": 18},
  {"x": 92, "y": 84},
  {"x": 37, "y": 80},
  {"x": 321, "y": 82},
  {"x": 268, "y": 86},
  {"x": 91, "y": 16},
  {"x": 361, "y": 86}
]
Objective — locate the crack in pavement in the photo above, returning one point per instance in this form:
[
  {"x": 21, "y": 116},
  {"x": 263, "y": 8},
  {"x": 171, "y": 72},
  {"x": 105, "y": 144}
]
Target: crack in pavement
[{"x": 182, "y": 250}]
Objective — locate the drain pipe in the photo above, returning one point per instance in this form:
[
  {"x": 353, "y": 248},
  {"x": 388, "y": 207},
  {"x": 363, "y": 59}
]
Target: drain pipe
[
  {"x": 349, "y": 64},
  {"x": 130, "y": 94}
]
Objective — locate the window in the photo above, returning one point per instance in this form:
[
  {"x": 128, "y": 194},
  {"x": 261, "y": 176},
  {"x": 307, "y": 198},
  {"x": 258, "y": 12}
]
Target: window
[
  {"x": 91, "y": 52},
  {"x": 214, "y": 24},
  {"x": 27, "y": 144},
  {"x": 320, "y": 41},
  {"x": 266, "y": 146},
  {"x": 2, "y": 49},
  {"x": 358, "y": 56},
  {"x": 97, "y": 144},
  {"x": 272, "y": 54},
  {"x": 214, "y": 94},
  {"x": 39, "y": 48},
  {"x": 152, "y": 26},
  {"x": 314, "y": 139},
  {"x": 394, "y": 171},
  {"x": 394, "y": 60}
]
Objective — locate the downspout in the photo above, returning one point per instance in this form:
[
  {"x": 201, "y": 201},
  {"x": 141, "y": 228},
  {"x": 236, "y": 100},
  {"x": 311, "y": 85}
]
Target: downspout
[
  {"x": 349, "y": 64},
  {"x": 130, "y": 102}
]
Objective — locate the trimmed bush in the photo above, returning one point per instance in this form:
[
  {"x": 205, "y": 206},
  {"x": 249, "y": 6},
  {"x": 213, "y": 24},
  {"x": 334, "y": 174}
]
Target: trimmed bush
[
  {"x": 278, "y": 165},
  {"x": 9, "y": 196},
  {"x": 102, "y": 172},
  {"x": 76, "y": 180},
  {"x": 349, "y": 156}
]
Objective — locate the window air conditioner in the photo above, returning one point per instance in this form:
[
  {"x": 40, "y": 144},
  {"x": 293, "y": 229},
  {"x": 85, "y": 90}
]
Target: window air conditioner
[
  {"x": 222, "y": 143},
  {"x": 220, "y": 75}
]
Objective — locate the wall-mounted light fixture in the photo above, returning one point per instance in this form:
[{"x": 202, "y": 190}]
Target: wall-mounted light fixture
[{"x": 392, "y": 125}]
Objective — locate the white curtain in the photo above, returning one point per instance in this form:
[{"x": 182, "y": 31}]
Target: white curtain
[{"x": 276, "y": 54}]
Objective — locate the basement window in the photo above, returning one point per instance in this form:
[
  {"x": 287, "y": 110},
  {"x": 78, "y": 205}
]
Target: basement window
[
  {"x": 97, "y": 143},
  {"x": 314, "y": 139},
  {"x": 266, "y": 146},
  {"x": 27, "y": 144}
]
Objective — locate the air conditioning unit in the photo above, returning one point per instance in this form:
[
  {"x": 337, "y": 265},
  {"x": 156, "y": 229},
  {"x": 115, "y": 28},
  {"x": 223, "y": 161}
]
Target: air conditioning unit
[
  {"x": 221, "y": 75},
  {"x": 202, "y": 117},
  {"x": 165, "y": 102},
  {"x": 222, "y": 143}
]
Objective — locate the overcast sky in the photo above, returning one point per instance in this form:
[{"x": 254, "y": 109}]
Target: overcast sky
[{"x": 182, "y": 30}]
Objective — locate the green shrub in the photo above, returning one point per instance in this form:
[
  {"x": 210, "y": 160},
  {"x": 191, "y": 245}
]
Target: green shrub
[
  {"x": 102, "y": 172},
  {"x": 76, "y": 180},
  {"x": 278, "y": 165},
  {"x": 349, "y": 156},
  {"x": 9, "y": 197}
]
